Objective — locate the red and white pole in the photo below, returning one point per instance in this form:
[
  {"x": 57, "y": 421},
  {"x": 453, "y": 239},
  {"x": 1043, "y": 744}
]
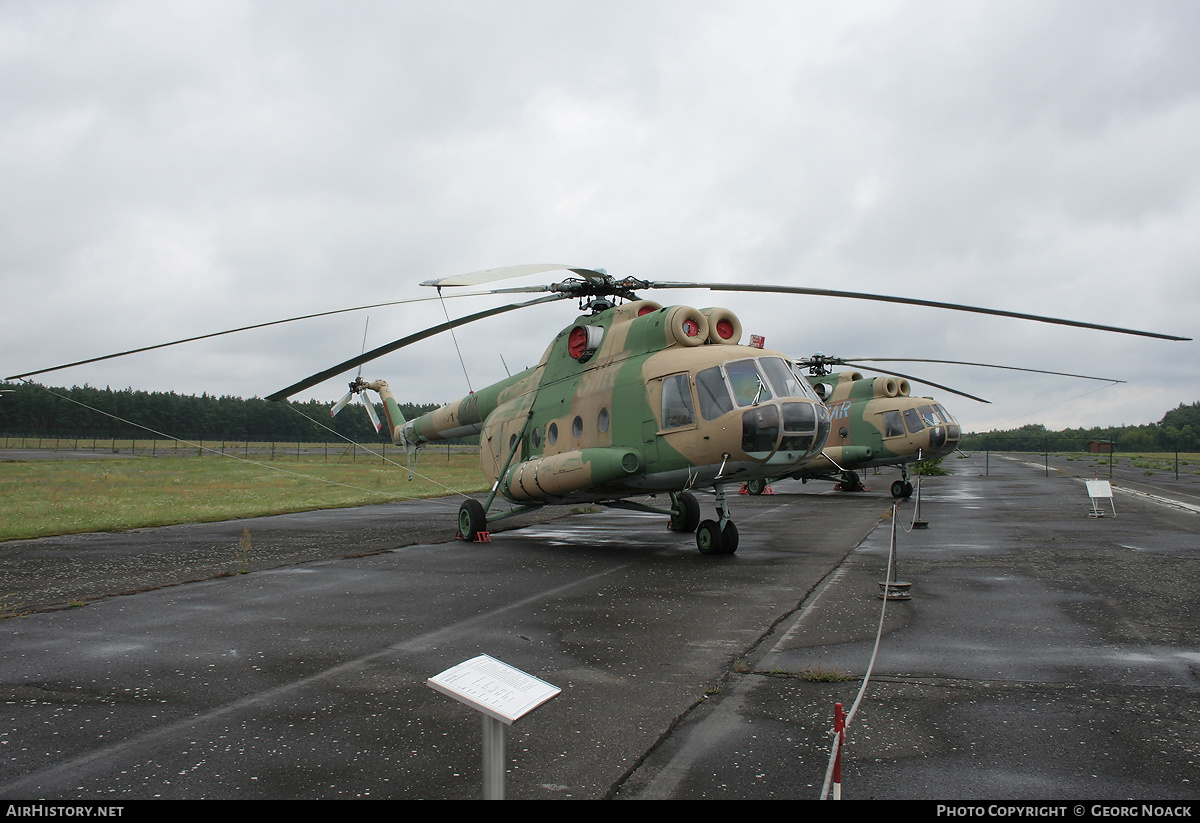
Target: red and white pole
[{"x": 839, "y": 728}]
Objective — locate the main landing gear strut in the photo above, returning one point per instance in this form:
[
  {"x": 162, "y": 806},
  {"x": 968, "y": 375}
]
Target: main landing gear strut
[
  {"x": 712, "y": 536},
  {"x": 718, "y": 536},
  {"x": 902, "y": 488}
]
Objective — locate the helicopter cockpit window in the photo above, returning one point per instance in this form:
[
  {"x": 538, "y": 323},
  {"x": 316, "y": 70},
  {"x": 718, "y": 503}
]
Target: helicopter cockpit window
[
  {"x": 929, "y": 417},
  {"x": 821, "y": 391},
  {"x": 749, "y": 388},
  {"x": 677, "y": 407},
  {"x": 783, "y": 380},
  {"x": 892, "y": 427},
  {"x": 913, "y": 421},
  {"x": 799, "y": 425},
  {"x": 714, "y": 393},
  {"x": 941, "y": 412},
  {"x": 760, "y": 430}
]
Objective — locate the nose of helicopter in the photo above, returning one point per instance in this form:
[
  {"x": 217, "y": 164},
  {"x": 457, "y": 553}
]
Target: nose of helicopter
[
  {"x": 783, "y": 432},
  {"x": 944, "y": 439}
]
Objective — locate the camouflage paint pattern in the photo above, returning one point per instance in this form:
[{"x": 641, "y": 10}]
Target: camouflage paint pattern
[
  {"x": 876, "y": 423},
  {"x": 585, "y": 422}
]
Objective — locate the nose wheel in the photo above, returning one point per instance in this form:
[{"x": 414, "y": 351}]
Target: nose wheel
[
  {"x": 712, "y": 539},
  {"x": 902, "y": 487},
  {"x": 718, "y": 536}
]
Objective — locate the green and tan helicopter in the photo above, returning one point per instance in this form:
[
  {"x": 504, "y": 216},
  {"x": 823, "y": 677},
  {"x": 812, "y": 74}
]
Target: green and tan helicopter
[
  {"x": 631, "y": 399},
  {"x": 877, "y": 422}
]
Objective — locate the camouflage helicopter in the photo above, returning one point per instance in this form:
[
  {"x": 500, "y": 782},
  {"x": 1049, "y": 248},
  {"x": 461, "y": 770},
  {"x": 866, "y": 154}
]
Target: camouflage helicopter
[
  {"x": 609, "y": 413},
  {"x": 877, "y": 422},
  {"x": 632, "y": 399}
]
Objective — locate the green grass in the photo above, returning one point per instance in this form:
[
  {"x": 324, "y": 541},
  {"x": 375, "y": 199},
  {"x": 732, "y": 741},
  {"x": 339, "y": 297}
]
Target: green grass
[
  {"x": 821, "y": 674},
  {"x": 46, "y": 497},
  {"x": 1159, "y": 462},
  {"x": 8, "y": 608},
  {"x": 930, "y": 468}
]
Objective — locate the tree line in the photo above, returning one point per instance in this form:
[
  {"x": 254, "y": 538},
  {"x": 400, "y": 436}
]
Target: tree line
[
  {"x": 85, "y": 411},
  {"x": 1179, "y": 430}
]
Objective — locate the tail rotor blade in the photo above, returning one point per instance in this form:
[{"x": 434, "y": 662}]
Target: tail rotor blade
[
  {"x": 370, "y": 407},
  {"x": 341, "y": 404}
]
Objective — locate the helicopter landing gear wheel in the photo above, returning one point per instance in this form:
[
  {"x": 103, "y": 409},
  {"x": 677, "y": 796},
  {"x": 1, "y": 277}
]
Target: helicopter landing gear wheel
[
  {"x": 685, "y": 512},
  {"x": 756, "y": 486},
  {"x": 729, "y": 538},
  {"x": 851, "y": 483},
  {"x": 708, "y": 537},
  {"x": 712, "y": 539},
  {"x": 472, "y": 522},
  {"x": 908, "y": 489},
  {"x": 898, "y": 489}
]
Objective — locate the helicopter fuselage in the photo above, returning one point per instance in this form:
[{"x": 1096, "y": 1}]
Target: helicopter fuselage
[
  {"x": 874, "y": 422},
  {"x": 635, "y": 399}
]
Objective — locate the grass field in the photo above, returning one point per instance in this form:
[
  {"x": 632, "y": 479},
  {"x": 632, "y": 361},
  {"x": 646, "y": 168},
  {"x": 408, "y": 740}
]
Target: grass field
[
  {"x": 1188, "y": 462},
  {"x": 46, "y": 497}
]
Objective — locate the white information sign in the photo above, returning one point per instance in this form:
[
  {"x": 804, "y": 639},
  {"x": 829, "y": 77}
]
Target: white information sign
[
  {"x": 494, "y": 688},
  {"x": 1100, "y": 490}
]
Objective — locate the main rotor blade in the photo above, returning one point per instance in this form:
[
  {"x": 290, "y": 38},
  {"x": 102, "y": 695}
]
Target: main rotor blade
[
  {"x": 478, "y": 278},
  {"x": 234, "y": 331},
  {"x": 321, "y": 377},
  {"x": 750, "y": 287},
  {"x": 982, "y": 365}
]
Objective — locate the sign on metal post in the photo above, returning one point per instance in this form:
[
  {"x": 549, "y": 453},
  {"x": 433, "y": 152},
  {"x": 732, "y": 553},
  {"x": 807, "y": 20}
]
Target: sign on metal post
[{"x": 503, "y": 695}]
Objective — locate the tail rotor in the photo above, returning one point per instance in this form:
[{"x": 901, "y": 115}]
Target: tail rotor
[{"x": 359, "y": 387}]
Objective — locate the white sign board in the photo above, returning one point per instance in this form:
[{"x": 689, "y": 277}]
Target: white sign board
[
  {"x": 1100, "y": 490},
  {"x": 494, "y": 688}
]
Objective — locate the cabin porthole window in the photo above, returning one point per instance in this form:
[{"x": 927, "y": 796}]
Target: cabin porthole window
[
  {"x": 602, "y": 420},
  {"x": 552, "y": 434},
  {"x": 512, "y": 443},
  {"x": 537, "y": 438},
  {"x": 577, "y": 426}
]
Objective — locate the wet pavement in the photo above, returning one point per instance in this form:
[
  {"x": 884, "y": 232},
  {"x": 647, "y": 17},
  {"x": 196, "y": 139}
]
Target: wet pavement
[{"x": 1045, "y": 654}]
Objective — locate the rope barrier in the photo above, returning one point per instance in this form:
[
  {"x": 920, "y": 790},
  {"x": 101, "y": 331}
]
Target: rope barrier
[{"x": 839, "y": 734}]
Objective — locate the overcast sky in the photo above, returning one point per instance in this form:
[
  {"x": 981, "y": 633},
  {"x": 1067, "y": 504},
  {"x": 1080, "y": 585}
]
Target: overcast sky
[{"x": 175, "y": 168}]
